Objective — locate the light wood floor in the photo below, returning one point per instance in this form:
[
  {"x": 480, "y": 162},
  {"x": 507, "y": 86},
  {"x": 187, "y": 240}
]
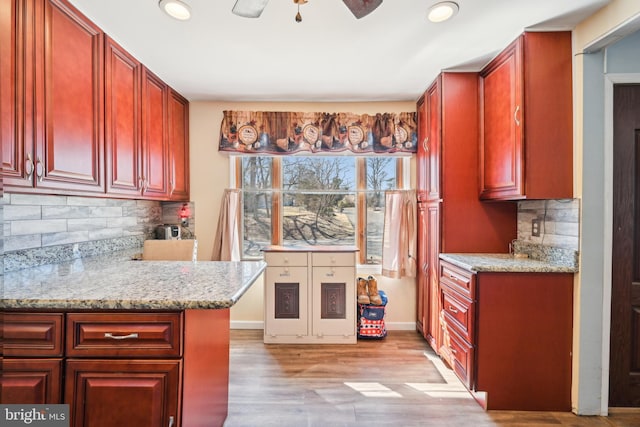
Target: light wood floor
[{"x": 396, "y": 382}]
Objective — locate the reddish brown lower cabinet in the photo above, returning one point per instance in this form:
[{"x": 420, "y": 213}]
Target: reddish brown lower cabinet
[
  {"x": 433, "y": 252},
  {"x": 32, "y": 358},
  {"x": 33, "y": 381},
  {"x": 135, "y": 392},
  {"x": 508, "y": 336},
  {"x": 126, "y": 368}
]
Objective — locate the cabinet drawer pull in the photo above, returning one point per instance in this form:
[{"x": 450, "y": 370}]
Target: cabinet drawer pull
[
  {"x": 453, "y": 350},
  {"x": 121, "y": 337},
  {"x": 515, "y": 116},
  {"x": 171, "y": 421},
  {"x": 453, "y": 309}
]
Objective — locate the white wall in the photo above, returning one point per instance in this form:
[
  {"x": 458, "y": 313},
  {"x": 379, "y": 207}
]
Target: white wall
[{"x": 210, "y": 175}]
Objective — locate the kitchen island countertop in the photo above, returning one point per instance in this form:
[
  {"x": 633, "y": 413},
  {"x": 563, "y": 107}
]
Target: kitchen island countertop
[
  {"x": 116, "y": 282},
  {"x": 504, "y": 263}
]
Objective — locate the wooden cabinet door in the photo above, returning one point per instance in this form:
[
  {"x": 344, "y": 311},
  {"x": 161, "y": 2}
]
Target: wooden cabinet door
[
  {"x": 433, "y": 254},
  {"x": 421, "y": 154},
  {"x": 422, "y": 282},
  {"x": 434, "y": 139},
  {"x": 501, "y": 118},
  {"x": 154, "y": 137},
  {"x": 178, "y": 122},
  {"x": 16, "y": 102},
  {"x": 69, "y": 95},
  {"x": 13, "y": 157},
  {"x": 122, "y": 120},
  {"x": 106, "y": 393},
  {"x": 31, "y": 381}
]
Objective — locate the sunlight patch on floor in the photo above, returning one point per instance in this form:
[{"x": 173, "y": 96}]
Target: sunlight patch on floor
[
  {"x": 447, "y": 374},
  {"x": 373, "y": 390}
]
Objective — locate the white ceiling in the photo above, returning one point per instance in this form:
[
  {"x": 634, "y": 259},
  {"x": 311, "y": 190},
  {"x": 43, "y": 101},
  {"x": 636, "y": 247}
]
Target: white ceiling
[{"x": 390, "y": 55}]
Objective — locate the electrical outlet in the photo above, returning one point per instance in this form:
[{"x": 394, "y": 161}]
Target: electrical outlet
[{"x": 535, "y": 227}]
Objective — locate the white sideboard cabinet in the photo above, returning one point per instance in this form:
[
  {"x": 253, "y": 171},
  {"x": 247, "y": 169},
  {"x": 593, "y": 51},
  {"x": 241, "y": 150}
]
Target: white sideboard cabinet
[{"x": 310, "y": 295}]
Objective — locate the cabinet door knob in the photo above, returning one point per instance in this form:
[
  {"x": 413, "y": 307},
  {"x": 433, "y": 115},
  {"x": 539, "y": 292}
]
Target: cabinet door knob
[
  {"x": 39, "y": 169},
  {"x": 133, "y": 335},
  {"x": 28, "y": 167},
  {"x": 171, "y": 421}
]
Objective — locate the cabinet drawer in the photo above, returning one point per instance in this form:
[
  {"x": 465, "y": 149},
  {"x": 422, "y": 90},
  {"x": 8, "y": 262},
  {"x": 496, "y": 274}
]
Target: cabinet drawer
[
  {"x": 458, "y": 310},
  {"x": 462, "y": 354},
  {"x": 330, "y": 259},
  {"x": 124, "y": 334},
  {"x": 461, "y": 280},
  {"x": 285, "y": 259},
  {"x": 33, "y": 334}
]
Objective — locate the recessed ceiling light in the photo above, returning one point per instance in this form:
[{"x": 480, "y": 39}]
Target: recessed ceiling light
[
  {"x": 176, "y": 9},
  {"x": 442, "y": 11}
]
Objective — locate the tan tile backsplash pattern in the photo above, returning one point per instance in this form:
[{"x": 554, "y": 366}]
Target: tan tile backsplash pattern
[
  {"x": 559, "y": 240},
  {"x": 560, "y": 222},
  {"x": 40, "y": 229}
]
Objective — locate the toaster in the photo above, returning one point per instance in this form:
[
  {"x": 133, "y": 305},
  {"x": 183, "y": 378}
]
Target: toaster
[{"x": 168, "y": 232}]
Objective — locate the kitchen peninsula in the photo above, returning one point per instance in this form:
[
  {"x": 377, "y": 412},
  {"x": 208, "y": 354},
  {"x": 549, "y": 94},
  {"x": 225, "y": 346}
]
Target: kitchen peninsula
[{"x": 123, "y": 341}]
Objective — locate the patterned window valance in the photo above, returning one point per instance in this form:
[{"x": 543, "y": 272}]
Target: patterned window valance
[{"x": 287, "y": 133}]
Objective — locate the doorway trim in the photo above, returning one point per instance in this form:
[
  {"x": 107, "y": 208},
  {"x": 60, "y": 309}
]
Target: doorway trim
[{"x": 609, "y": 81}]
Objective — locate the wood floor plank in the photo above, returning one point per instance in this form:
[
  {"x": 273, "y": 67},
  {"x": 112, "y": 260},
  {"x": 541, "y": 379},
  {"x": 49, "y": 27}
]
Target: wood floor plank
[{"x": 389, "y": 382}]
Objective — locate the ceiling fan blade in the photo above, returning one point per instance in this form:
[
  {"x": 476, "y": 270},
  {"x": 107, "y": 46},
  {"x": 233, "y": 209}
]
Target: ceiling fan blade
[
  {"x": 362, "y": 8},
  {"x": 249, "y": 8}
]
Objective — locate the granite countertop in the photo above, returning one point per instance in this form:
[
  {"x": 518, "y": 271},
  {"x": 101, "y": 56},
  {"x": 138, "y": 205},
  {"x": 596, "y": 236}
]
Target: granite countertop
[
  {"x": 505, "y": 263},
  {"x": 116, "y": 282}
]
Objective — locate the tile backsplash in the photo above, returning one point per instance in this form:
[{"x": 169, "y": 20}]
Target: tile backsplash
[
  {"x": 38, "y": 229},
  {"x": 559, "y": 222},
  {"x": 559, "y": 239}
]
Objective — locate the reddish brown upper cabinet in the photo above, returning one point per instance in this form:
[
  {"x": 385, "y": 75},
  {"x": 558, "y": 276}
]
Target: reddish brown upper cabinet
[
  {"x": 122, "y": 121},
  {"x": 451, "y": 217},
  {"x": 178, "y": 111},
  {"x": 526, "y": 137},
  {"x": 57, "y": 142},
  {"x": 421, "y": 153},
  {"x": 147, "y": 140},
  {"x": 81, "y": 116},
  {"x": 434, "y": 139},
  {"x": 10, "y": 30},
  {"x": 155, "y": 148}
]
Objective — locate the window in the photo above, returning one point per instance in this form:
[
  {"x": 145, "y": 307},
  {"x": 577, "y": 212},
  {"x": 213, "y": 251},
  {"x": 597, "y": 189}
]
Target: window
[{"x": 319, "y": 200}]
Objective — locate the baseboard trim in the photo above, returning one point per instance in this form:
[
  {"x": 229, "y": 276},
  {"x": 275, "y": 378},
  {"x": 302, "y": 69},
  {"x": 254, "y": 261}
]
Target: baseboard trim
[
  {"x": 257, "y": 324},
  {"x": 246, "y": 324},
  {"x": 400, "y": 326}
]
